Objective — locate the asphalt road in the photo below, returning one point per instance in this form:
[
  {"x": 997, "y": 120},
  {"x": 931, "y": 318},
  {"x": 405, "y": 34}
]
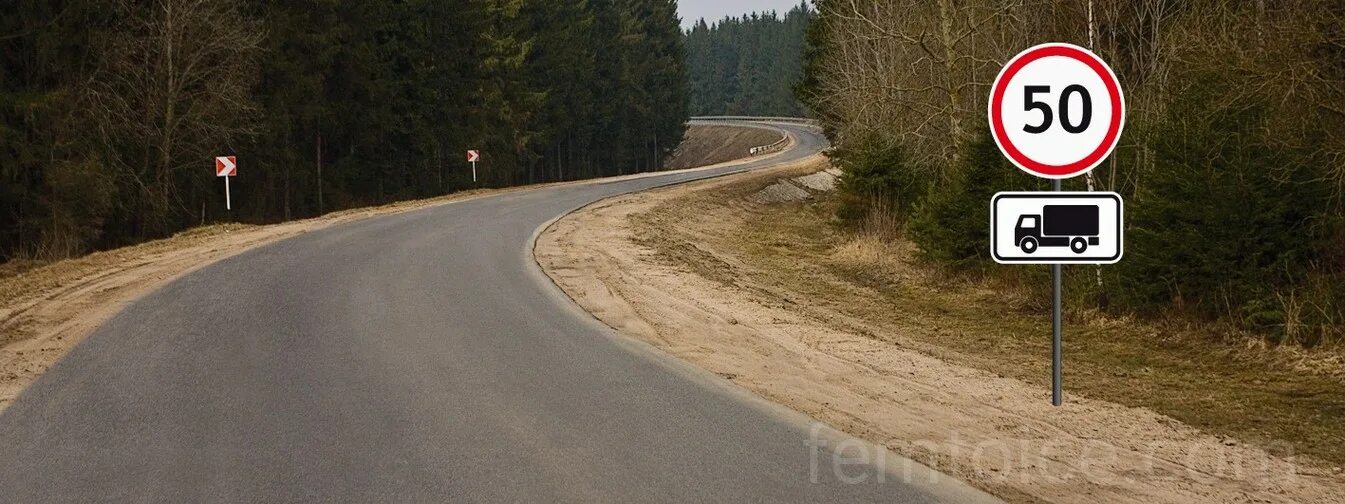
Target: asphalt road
[{"x": 420, "y": 357}]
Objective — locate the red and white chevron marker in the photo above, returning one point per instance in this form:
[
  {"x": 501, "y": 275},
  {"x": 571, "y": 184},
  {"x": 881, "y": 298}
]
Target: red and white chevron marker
[
  {"x": 227, "y": 167},
  {"x": 472, "y": 157}
]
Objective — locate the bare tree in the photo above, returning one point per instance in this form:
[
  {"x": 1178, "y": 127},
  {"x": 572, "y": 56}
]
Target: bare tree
[
  {"x": 916, "y": 72},
  {"x": 173, "y": 89}
]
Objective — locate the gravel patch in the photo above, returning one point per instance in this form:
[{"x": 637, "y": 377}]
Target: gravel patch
[
  {"x": 821, "y": 181},
  {"x": 780, "y": 192}
]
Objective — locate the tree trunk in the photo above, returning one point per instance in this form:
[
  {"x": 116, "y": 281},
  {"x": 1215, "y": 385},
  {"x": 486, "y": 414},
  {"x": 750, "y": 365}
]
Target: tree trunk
[{"x": 950, "y": 70}]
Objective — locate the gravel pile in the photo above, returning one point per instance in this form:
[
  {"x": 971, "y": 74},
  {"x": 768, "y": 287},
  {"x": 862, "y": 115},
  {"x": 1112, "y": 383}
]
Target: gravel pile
[
  {"x": 780, "y": 192},
  {"x": 821, "y": 181}
]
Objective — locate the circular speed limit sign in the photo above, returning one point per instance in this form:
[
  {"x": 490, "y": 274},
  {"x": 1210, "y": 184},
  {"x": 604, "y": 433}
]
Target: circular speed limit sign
[{"x": 1056, "y": 110}]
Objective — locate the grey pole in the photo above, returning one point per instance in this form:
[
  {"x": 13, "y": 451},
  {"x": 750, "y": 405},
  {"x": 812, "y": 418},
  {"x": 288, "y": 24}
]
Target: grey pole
[{"x": 1057, "y": 396}]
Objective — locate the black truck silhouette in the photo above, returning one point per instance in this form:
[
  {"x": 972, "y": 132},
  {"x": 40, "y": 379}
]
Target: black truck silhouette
[{"x": 1075, "y": 226}]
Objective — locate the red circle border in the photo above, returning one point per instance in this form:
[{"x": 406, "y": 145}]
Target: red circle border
[{"x": 1113, "y": 129}]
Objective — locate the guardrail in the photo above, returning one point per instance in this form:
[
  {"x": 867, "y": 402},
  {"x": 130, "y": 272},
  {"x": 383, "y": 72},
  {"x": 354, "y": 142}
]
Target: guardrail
[
  {"x": 764, "y": 149},
  {"x": 797, "y": 120},
  {"x": 770, "y": 148}
]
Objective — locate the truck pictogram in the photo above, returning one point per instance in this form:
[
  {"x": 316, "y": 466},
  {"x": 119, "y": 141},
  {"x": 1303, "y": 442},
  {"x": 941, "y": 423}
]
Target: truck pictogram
[{"x": 1073, "y": 226}]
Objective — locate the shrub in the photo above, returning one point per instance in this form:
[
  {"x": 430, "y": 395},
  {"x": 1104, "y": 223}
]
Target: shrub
[
  {"x": 952, "y": 223},
  {"x": 877, "y": 178},
  {"x": 1229, "y": 222}
]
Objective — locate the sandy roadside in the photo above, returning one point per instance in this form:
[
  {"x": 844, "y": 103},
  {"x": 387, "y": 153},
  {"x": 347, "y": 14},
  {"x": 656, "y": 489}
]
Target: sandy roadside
[
  {"x": 998, "y": 433},
  {"x": 48, "y": 310}
]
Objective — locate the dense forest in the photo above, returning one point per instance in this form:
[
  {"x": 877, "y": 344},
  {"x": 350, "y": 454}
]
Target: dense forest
[
  {"x": 1232, "y": 162},
  {"x": 748, "y": 65},
  {"x": 111, "y": 111}
]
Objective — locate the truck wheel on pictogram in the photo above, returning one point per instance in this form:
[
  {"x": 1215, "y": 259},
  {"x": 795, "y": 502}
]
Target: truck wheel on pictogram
[
  {"x": 1029, "y": 245},
  {"x": 1078, "y": 245}
]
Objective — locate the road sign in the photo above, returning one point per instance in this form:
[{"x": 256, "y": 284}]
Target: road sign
[
  {"x": 226, "y": 166},
  {"x": 1056, "y": 110},
  {"x": 1057, "y": 227},
  {"x": 472, "y": 157}
]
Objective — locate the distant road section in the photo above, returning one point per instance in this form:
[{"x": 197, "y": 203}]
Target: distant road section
[{"x": 418, "y": 357}]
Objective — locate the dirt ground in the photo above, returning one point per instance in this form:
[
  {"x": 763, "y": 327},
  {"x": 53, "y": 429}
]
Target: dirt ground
[
  {"x": 688, "y": 270},
  {"x": 706, "y": 145}
]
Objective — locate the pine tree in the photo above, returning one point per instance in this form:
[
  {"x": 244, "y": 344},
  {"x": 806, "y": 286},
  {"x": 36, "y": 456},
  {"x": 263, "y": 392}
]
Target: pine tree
[
  {"x": 748, "y": 65},
  {"x": 328, "y": 104}
]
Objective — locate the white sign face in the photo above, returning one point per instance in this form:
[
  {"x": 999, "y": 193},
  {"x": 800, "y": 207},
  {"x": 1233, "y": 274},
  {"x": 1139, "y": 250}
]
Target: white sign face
[
  {"x": 1057, "y": 227},
  {"x": 1056, "y": 110},
  {"x": 473, "y": 156}
]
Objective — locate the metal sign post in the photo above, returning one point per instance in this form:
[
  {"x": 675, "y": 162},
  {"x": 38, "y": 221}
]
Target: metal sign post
[
  {"x": 1057, "y": 322},
  {"x": 1056, "y": 111}
]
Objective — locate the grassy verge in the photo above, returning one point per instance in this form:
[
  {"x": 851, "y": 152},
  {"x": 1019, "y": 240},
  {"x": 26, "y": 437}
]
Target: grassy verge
[{"x": 1212, "y": 378}]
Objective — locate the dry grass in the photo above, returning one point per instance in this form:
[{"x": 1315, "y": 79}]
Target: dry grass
[
  {"x": 23, "y": 278},
  {"x": 1210, "y": 377}
]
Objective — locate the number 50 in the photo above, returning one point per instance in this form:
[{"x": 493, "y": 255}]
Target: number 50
[{"x": 1048, "y": 117}]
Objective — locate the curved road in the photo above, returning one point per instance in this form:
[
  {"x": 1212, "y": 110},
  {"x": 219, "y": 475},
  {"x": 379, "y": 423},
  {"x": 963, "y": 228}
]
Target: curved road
[{"x": 420, "y": 357}]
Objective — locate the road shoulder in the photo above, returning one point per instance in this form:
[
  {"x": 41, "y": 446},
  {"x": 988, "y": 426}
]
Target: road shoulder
[
  {"x": 47, "y": 310},
  {"x": 706, "y": 306}
]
